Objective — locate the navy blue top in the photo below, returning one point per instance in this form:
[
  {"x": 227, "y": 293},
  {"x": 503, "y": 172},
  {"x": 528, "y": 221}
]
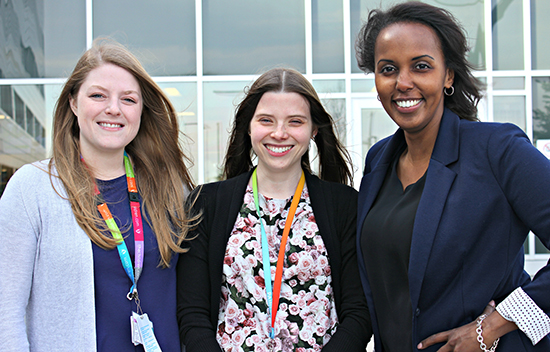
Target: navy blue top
[{"x": 156, "y": 286}]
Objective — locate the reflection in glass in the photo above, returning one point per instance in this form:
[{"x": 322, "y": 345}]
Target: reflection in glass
[
  {"x": 64, "y": 35},
  {"x": 161, "y": 34},
  {"x": 220, "y": 101},
  {"x": 184, "y": 98},
  {"x": 248, "y": 36},
  {"x": 509, "y": 109},
  {"x": 507, "y": 19},
  {"x": 327, "y": 36},
  {"x": 21, "y": 129},
  {"x": 541, "y": 108},
  {"x": 469, "y": 13},
  {"x": 375, "y": 125},
  {"x": 21, "y": 39},
  {"x": 540, "y": 27}
]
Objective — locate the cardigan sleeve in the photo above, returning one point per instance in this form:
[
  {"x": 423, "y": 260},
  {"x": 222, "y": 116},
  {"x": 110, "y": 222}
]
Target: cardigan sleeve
[
  {"x": 524, "y": 176},
  {"x": 354, "y": 330},
  {"x": 19, "y": 219},
  {"x": 193, "y": 282}
]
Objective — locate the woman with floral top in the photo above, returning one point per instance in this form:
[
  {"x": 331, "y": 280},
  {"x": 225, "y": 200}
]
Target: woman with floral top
[{"x": 311, "y": 300}]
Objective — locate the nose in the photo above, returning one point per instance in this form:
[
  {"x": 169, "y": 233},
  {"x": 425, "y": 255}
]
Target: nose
[
  {"x": 279, "y": 132},
  {"x": 113, "y": 107},
  {"x": 404, "y": 81}
]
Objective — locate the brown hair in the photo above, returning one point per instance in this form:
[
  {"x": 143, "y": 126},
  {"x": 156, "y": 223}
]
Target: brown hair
[
  {"x": 334, "y": 160},
  {"x": 161, "y": 175}
]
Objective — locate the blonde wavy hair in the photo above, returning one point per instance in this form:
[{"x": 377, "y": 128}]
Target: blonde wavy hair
[{"x": 159, "y": 164}]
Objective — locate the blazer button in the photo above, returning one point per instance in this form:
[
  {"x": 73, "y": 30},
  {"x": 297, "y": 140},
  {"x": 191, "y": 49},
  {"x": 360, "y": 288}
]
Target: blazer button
[{"x": 417, "y": 312}]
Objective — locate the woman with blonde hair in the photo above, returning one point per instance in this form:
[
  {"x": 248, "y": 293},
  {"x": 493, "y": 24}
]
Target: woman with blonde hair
[{"x": 117, "y": 179}]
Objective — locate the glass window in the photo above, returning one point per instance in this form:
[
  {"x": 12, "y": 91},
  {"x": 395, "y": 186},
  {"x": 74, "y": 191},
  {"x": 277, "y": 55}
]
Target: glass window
[
  {"x": 29, "y": 121},
  {"x": 363, "y": 85},
  {"x": 540, "y": 27},
  {"x": 64, "y": 26},
  {"x": 337, "y": 109},
  {"x": 469, "y": 13},
  {"x": 184, "y": 98},
  {"x": 329, "y": 85},
  {"x": 375, "y": 125},
  {"x": 328, "y": 36},
  {"x": 507, "y": 19},
  {"x": 18, "y": 145},
  {"x": 6, "y": 173},
  {"x": 161, "y": 34},
  {"x": 509, "y": 109},
  {"x": 541, "y": 108},
  {"x": 220, "y": 100},
  {"x": 248, "y": 36},
  {"x": 19, "y": 111},
  {"x": 21, "y": 39},
  {"x": 6, "y": 101},
  {"x": 539, "y": 247},
  {"x": 509, "y": 83}
]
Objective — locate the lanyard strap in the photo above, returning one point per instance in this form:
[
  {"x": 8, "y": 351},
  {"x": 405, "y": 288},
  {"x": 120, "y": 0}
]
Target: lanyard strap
[
  {"x": 272, "y": 296},
  {"x": 137, "y": 225}
]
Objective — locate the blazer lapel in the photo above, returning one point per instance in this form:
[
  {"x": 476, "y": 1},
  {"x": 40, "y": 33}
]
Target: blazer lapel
[{"x": 439, "y": 181}]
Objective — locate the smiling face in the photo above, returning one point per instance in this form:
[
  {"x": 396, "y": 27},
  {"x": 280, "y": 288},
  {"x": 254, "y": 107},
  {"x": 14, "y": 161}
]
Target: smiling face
[
  {"x": 410, "y": 75},
  {"x": 108, "y": 107},
  {"x": 280, "y": 131}
]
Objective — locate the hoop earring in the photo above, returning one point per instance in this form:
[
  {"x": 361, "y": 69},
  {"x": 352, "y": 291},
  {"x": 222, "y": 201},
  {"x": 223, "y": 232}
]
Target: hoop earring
[
  {"x": 447, "y": 93},
  {"x": 378, "y": 97}
]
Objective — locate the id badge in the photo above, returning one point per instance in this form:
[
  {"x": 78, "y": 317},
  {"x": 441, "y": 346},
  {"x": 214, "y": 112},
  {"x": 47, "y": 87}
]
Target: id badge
[{"x": 145, "y": 331}]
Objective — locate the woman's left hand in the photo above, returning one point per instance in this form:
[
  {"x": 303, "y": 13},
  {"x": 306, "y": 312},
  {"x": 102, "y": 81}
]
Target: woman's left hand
[{"x": 461, "y": 339}]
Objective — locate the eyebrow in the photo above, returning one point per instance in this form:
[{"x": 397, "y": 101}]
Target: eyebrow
[{"x": 413, "y": 59}]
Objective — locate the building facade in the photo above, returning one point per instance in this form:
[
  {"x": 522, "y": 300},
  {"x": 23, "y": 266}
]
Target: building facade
[{"x": 204, "y": 53}]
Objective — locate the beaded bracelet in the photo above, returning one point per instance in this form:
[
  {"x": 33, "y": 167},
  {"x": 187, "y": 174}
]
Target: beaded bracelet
[{"x": 479, "y": 331}]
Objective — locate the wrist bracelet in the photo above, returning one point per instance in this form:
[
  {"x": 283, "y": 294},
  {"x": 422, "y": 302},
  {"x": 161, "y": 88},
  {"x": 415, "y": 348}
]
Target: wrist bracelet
[{"x": 479, "y": 331}]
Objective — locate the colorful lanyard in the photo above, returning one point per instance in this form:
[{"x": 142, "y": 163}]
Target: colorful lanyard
[
  {"x": 138, "y": 228},
  {"x": 272, "y": 296}
]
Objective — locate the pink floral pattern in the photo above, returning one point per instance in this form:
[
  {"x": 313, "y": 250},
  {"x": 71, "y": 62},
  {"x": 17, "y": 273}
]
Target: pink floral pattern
[{"x": 306, "y": 318}]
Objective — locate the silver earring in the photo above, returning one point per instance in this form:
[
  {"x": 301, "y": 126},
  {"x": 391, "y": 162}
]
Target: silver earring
[
  {"x": 378, "y": 97},
  {"x": 447, "y": 92}
]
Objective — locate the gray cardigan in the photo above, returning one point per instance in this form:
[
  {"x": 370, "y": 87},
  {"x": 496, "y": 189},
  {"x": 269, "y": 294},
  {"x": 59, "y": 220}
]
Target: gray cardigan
[{"x": 46, "y": 268}]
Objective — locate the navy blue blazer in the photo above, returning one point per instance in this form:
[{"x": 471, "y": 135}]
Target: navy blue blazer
[{"x": 486, "y": 187}]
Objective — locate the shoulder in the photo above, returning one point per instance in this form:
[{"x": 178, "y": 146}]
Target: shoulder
[
  {"x": 337, "y": 192},
  {"x": 209, "y": 193},
  {"x": 31, "y": 176}
]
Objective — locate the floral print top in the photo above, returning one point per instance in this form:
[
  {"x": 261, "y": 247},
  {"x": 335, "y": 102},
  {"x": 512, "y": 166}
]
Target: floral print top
[{"x": 306, "y": 318}]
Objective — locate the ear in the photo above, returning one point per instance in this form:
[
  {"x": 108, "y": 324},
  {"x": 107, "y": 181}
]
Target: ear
[
  {"x": 449, "y": 78},
  {"x": 314, "y": 133},
  {"x": 72, "y": 103}
]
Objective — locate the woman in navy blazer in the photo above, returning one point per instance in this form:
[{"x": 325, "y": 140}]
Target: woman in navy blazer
[{"x": 446, "y": 203}]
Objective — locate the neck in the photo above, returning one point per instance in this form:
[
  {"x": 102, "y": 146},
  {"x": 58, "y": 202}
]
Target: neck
[
  {"x": 105, "y": 167},
  {"x": 278, "y": 185}
]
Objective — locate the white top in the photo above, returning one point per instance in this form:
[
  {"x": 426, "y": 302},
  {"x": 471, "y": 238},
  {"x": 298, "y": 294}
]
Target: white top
[{"x": 46, "y": 266}]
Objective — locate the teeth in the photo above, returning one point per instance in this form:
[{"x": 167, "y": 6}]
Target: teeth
[
  {"x": 113, "y": 125},
  {"x": 407, "y": 103},
  {"x": 278, "y": 149}
]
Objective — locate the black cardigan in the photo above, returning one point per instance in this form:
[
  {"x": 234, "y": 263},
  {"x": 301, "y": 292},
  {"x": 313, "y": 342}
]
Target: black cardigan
[{"x": 200, "y": 269}]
